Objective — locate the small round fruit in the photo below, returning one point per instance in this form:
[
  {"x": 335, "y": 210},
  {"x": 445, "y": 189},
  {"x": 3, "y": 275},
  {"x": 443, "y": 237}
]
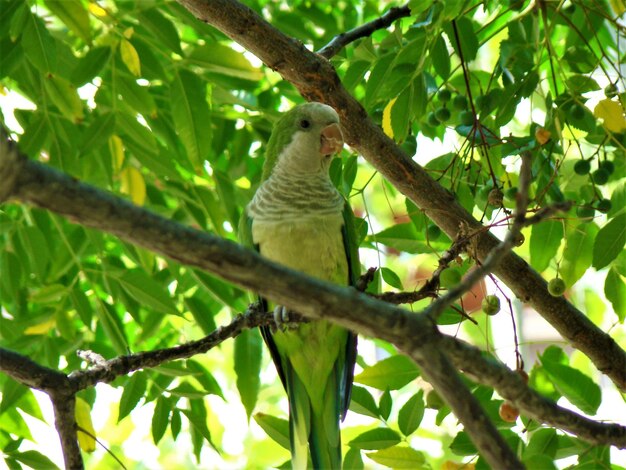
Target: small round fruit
[
  {"x": 600, "y": 176},
  {"x": 604, "y": 205},
  {"x": 433, "y": 232},
  {"x": 576, "y": 111},
  {"x": 508, "y": 412},
  {"x": 459, "y": 102},
  {"x": 495, "y": 197},
  {"x": 556, "y": 287},
  {"x": 582, "y": 167},
  {"x": 442, "y": 114},
  {"x": 491, "y": 305},
  {"x": 449, "y": 277},
  {"x": 585, "y": 212},
  {"x": 608, "y": 166},
  {"x": 482, "y": 101},
  {"x": 611, "y": 90},
  {"x": 467, "y": 118},
  {"x": 444, "y": 95},
  {"x": 434, "y": 400},
  {"x": 432, "y": 119},
  {"x": 519, "y": 239}
]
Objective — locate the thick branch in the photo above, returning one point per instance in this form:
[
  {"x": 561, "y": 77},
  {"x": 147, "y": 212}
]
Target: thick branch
[
  {"x": 48, "y": 188},
  {"x": 511, "y": 387},
  {"x": 316, "y": 79},
  {"x": 65, "y": 423}
]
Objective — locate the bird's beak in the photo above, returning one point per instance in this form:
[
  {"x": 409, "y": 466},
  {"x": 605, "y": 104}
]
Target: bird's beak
[{"x": 331, "y": 140}]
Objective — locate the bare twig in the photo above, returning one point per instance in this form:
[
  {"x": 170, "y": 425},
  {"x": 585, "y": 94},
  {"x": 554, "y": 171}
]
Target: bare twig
[
  {"x": 384, "y": 21},
  {"x": 111, "y": 369}
]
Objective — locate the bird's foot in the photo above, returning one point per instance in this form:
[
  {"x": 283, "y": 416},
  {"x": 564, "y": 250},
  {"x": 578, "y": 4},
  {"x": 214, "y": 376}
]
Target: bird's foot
[{"x": 285, "y": 319}]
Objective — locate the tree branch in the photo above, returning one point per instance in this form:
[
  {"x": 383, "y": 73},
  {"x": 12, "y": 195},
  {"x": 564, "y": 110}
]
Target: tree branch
[
  {"x": 384, "y": 21},
  {"x": 315, "y": 79},
  {"x": 413, "y": 334},
  {"x": 108, "y": 371},
  {"x": 51, "y": 189}
]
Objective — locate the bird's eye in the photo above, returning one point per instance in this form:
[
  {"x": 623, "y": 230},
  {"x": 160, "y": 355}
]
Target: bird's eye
[{"x": 305, "y": 124}]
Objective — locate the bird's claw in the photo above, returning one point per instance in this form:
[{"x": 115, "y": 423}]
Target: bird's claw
[{"x": 282, "y": 318}]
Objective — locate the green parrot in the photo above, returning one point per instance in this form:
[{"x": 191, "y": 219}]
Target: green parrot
[{"x": 299, "y": 219}]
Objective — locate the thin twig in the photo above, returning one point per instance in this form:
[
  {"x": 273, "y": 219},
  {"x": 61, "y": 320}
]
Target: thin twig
[{"x": 367, "y": 29}]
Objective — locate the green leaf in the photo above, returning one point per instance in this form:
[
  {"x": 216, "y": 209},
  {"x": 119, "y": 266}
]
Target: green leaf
[
  {"x": 615, "y": 291},
  {"x": 399, "y": 457},
  {"x": 13, "y": 423},
  {"x": 134, "y": 390},
  {"x": 74, "y": 15},
  {"x": 197, "y": 417},
  {"x": 393, "y": 373},
  {"x": 411, "y": 414},
  {"x": 112, "y": 326},
  {"x": 441, "y": 57},
  {"x": 205, "y": 378},
  {"x": 469, "y": 41},
  {"x": 353, "y": 460},
  {"x": 379, "y": 438},
  {"x": 160, "y": 418},
  {"x": 65, "y": 97},
  {"x": 223, "y": 60},
  {"x": 609, "y": 241},
  {"x": 545, "y": 239},
  {"x": 391, "y": 278},
  {"x": 401, "y": 114},
  {"x": 579, "y": 389},
  {"x": 34, "y": 136},
  {"x": 462, "y": 445},
  {"x": 90, "y": 65},
  {"x": 161, "y": 28},
  {"x": 378, "y": 76},
  {"x": 38, "y": 45},
  {"x": 248, "y": 353},
  {"x": 402, "y": 237},
  {"x": 147, "y": 291},
  {"x": 190, "y": 112},
  {"x": 33, "y": 459},
  {"x": 385, "y": 405},
  {"x": 202, "y": 313},
  {"x": 98, "y": 132},
  {"x": 577, "y": 254},
  {"x": 362, "y": 402},
  {"x": 275, "y": 428},
  {"x": 543, "y": 442},
  {"x": 137, "y": 97}
]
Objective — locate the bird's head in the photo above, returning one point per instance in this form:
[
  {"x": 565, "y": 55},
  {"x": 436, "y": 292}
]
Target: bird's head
[{"x": 304, "y": 140}]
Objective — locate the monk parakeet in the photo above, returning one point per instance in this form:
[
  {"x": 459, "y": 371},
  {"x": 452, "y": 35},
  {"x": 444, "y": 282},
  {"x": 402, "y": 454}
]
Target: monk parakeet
[{"x": 299, "y": 219}]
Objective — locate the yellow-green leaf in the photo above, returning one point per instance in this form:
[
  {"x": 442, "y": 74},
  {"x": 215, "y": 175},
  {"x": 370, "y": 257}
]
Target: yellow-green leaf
[
  {"x": 41, "y": 328},
  {"x": 399, "y": 457},
  {"x": 65, "y": 97},
  {"x": 133, "y": 184},
  {"x": 82, "y": 413},
  {"x": 130, "y": 57},
  {"x": 612, "y": 115},
  {"x": 387, "y": 129},
  {"x": 116, "y": 147}
]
